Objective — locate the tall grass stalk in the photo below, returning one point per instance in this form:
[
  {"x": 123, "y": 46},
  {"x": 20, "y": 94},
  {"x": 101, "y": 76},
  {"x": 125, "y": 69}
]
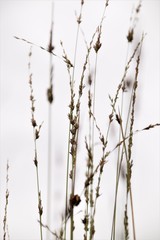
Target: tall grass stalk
[
  {"x": 36, "y": 135},
  {"x": 75, "y": 132},
  {"x": 113, "y": 104},
  {"x": 128, "y": 159},
  {"x": 97, "y": 47},
  {"x": 130, "y": 37},
  {"x": 79, "y": 19},
  {"x": 50, "y": 101}
]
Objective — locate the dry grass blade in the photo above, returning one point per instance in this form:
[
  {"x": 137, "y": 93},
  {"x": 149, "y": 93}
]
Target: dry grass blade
[{"x": 33, "y": 44}]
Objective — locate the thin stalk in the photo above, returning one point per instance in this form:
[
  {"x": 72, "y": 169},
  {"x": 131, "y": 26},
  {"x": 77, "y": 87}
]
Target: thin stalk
[
  {"x": 126, "y": 155},
  {"x": 69, "y": 132},
  {"x": 74, "y": 163},
  {"x": 38, "y": 191},
  {"x": 89, "y": 158},
  {"x": 38, "y": 185},
  {"x": 81, "y": 86},
  {"x": 97, "y": 47},
  {"x": 113, "y": 236},
  {"x": 50, "y": 101},
  {"x": 49, "y": 166},
  {"x": 113, "y": 101},
  {"x": 36, "y": 135},
  {"x": 67, "y": 178},
  {"x": 5, "y": 225},
  {"x": 130, "y": 143},
  {"x": 119, "y": 168},
  {"x": 90, "y": 166},
  {"x": 69, "y": 135},
  {"x": 117, "y": 183},
  {"x": 92, "y": 146},
  {"x": 72, "y": 225},
  {"x": 132, "y": 213},
  {"x": 94, "y": 101},
  {"x": 78, "y": 107}
]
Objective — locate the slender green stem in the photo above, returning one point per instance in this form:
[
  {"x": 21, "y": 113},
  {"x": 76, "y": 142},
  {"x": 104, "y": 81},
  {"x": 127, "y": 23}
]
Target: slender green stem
[
  {"x": 130, "y": 190},
  {"x": 74, "y": 157},
  {"x": 69, "y": 134},
  {"x": 36, "y": 132},
  {"x": 49, "y": 165},
  {"x": 90, "y": 170},
  {"x": 67, "y": 178},
  {"x": 92, "y": 146},
  {"x": 72, "y": 225},
  {"x": 96, "y": 48},
  {"x": 127, "y": 66},
  {"x": 40, "y": 216},
  {"x": 132, "y": 210},
  {"x": 38, "y": 185},
  {"x": 118, "y": 168}
]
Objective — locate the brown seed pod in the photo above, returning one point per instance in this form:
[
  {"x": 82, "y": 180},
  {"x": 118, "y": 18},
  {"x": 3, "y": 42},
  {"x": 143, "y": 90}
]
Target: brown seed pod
[{"x": 75, "y": 200}]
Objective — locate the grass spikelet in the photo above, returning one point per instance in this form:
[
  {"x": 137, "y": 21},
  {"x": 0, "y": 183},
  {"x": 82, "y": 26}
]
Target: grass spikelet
[
  {"x": 126, "y": 224},
  {"x": 5, "y": 226},
  {"x": 133, "y": 22}
]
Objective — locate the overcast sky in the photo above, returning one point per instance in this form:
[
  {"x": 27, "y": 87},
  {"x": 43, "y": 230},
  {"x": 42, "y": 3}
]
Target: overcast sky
[{"x": 31, "y": 20}]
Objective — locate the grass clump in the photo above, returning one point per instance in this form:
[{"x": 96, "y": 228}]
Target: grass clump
[{"x": 88, "y": 140}]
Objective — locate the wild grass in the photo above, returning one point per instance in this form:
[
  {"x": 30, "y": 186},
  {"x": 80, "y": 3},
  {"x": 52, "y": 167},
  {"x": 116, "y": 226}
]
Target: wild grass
[{"x": 82, "y": 89}]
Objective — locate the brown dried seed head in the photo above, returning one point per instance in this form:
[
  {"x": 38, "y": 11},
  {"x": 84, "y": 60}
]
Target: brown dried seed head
[
  {"x": 119, "y": 120},
  {"x": 33, "y": 121},
  {"x": 50, "y": 95},
  {"x": 35, "y": 162},
  {"x": 50, "y": 48},
  {"x": 97, "y": 46},
  {"x": 31, "y": 97},
  {"x": 41, "y": 211},
  {"x": 36, "y": 134},
  {"x": 33, "y": 108},
  {"x": 82, "y": 2},
  {"x": 90, "y": 79},
  {"x": 138, "y": 8},
  {"x": 79, "y": 20},
  {"x": 107, "y": 2},
  {"x": 71, "y": 174},
  {"x": 111, "y": 117},
  {"x": 75, "y": 200},
  {"x": 130, "y": 35}
]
